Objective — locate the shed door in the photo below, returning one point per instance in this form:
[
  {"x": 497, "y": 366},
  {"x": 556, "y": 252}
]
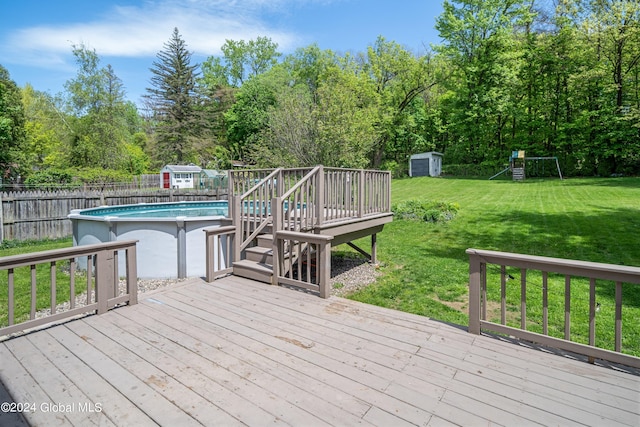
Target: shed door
[
  {"x": 166, "y": 180},
  {"x": 419, "y": 167}
]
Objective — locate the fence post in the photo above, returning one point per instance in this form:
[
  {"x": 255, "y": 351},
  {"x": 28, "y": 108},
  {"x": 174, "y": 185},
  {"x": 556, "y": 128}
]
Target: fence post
[{"x": 474, "y": 292}]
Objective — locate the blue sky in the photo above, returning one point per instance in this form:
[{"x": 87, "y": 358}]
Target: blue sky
[{"x": 36, "y": 35}]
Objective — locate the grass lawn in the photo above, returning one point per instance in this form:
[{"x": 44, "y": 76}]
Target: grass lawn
[
  {"x": 425, "y": 268},
  {"x": 43, "y": 280}
]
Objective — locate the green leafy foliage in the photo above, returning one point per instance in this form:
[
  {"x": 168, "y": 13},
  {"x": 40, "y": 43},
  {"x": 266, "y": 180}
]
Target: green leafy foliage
[{"x": 425, "y": 210}]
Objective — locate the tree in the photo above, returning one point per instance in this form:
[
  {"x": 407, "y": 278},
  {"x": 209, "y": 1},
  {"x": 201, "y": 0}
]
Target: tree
[
  {"x": 173, "y": 99},
  {"x": 12, "y": 136},
  {"x": 241, "y": 61},
  {"x": 398, "y": 79},
  {"x": 485, "y": 61},
  {"x": 98, "y": 113},
  {"x": 46, "y": 129}
]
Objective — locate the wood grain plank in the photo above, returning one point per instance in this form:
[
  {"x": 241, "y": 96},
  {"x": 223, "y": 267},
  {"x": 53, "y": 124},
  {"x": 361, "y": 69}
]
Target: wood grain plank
[
  {"x": 359, "y": 383},
  {"x": 121, "y": 411},
  {"x": 248, "y": 385},
  {"x": 64, "y": 396},
  {"x": 24, "y": 389},
  {"x": 81, "y": 340},
  {"x": 206, "y": 337},
  {"x": 158, "y": 371}
]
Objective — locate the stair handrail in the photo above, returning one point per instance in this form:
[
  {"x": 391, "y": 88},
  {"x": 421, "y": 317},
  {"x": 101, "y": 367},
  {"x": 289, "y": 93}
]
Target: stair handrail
[
  {"x": 242, "y": 216},
  {"x": 316, "y": 194},
  {"x": 295, "y": 223}
]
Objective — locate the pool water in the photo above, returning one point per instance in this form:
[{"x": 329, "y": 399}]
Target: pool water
[{"x": 162, "y": 210}]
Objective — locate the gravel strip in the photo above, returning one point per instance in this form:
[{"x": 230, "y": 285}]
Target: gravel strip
[{"x": 348, "y": 275}]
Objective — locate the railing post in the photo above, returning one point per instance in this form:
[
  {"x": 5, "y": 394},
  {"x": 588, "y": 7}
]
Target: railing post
[
  {"x": 209, "y": 251},
  {"x": 361, "y": 190},
  {"x": 320, "y": 196},
  {"x": 279, "y": 183},
  {"x": 132, "y": 275},
  {"x": 238, "y": 222},
  {"x": 475, "y": 271},
  {"x": 276, "y": 225},
  {"x": 104, "y": 279},
  {"x": 324, "y": 269}
]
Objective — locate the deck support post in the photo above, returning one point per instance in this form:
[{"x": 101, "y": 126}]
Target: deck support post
[{"x": 374, "y": 248}]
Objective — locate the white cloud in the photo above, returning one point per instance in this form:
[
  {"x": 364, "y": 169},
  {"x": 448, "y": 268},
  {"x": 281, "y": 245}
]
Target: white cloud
[{"x": 141, "y": 31}]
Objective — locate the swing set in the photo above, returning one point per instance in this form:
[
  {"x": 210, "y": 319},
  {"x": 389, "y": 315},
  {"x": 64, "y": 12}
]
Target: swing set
[{"x": 518, "y": 161}]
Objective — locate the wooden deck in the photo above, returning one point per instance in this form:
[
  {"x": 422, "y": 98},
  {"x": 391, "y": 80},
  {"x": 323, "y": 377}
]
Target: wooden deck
[{"x": 236, "y": 352}]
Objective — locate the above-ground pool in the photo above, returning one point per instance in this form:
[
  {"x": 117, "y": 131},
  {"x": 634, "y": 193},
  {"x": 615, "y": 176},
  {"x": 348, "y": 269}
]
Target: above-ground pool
[{"x": 171, "y": 240}]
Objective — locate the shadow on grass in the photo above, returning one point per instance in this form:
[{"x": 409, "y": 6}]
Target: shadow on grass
[
  {"x": 631, "y": 182},
  {"x": 606, "y": 236}
]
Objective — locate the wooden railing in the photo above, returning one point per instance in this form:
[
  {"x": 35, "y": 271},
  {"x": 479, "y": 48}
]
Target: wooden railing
[
  {"x": 354, "y": 193},
  {"x": 299, "y": 201},
  {"x": 219, "y": 251},
  {"x": 251, "y": 210},
  {"x": 98, "y": 270},
  {"x": 488, "y": 274},
  {"x": 309, "y": 261}
]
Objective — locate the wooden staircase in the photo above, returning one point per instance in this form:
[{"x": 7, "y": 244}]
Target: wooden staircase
[
  {"x": 258, "y": 261},
  {"x": 283, "y": 223}
]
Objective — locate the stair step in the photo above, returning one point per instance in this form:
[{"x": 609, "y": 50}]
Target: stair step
[
  {"x": 253, "y": 270},
  {"x": 260, "y": 254},
  {"x": 265, "y": 240}
]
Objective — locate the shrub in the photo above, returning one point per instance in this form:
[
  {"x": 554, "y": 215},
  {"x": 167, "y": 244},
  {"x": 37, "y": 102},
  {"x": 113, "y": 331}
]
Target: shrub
[{"x": 425, "y": 210}]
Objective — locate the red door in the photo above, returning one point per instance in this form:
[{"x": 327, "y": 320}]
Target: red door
[{"x": 166, "y": 180}]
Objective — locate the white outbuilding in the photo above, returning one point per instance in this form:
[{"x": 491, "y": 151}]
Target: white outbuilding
[
  {"x": 426, "y": 164},
  {"x": 180, "y": 176}
]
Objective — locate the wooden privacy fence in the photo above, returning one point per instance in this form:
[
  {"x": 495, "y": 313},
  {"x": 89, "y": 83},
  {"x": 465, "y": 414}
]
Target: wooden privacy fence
[
  {"x": 35, "y": 215},
  {"x": 552, "y": 279}
]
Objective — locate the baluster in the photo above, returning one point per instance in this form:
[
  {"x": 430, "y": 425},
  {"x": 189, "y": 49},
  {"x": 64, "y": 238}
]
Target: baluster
[
  {"x": 503, "y": 295},
  {"x": 11, "y": 296},
  {"x": 523, "y": 298},
  {"x": 545, "y": 303},
  {"x": 52, "y": 275},
  {"x": 33, "y": 291},
  {"x": 567, "y": 307}
]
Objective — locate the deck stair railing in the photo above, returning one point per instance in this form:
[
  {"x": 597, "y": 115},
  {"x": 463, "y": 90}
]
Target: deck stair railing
[
  {"x": 252, "y": 209},
  {"x": 292, "y": 207},
  {"x": 88, "y": 269},
  {"x": 491, "y": 274}
]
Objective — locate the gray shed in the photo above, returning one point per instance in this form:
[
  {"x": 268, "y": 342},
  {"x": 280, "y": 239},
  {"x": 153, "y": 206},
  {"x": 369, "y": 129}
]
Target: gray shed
[{"x": 426, "y": 164}]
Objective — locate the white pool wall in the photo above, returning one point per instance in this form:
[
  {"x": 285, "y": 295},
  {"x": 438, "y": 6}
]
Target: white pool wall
[{"x": 167, "y": 248}]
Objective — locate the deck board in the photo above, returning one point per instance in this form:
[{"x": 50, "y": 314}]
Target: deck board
[{"x": 237, "y": 352}]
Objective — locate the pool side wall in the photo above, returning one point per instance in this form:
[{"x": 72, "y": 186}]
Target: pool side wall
[{"x": 167, "y": 248}]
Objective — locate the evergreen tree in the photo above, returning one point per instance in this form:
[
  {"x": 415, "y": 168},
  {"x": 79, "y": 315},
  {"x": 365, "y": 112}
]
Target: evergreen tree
[{"x": 173, "y": 99}]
